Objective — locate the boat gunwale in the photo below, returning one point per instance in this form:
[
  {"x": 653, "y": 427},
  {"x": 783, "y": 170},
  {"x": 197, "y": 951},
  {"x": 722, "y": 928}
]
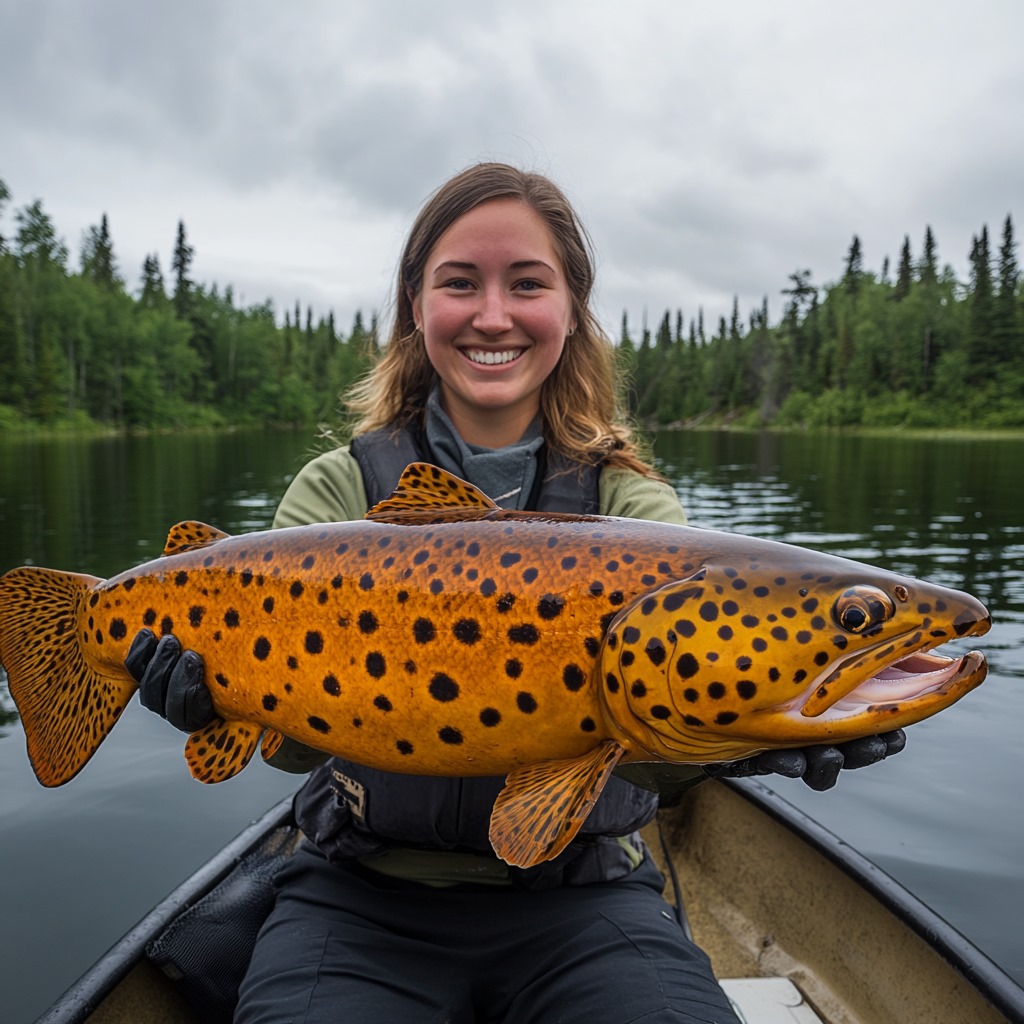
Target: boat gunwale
[
  {"x": 82, "y": 998},
  {"x": 979, "y": 970}
]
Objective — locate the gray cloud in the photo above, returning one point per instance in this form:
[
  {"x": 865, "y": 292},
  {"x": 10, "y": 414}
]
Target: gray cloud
[{"x": 711, "y": 151}]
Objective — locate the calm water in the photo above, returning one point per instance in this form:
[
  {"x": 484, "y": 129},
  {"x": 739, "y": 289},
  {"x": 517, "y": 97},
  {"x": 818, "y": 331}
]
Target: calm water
[{"x": 79, "y": 865}]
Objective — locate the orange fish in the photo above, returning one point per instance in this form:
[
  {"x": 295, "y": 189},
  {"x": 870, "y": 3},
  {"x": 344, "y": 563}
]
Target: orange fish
[{"x": 445, "y": 636}]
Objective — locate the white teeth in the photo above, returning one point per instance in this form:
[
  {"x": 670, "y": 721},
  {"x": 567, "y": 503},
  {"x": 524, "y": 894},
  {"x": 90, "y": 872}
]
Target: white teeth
[{"x": 489, "y": 358}]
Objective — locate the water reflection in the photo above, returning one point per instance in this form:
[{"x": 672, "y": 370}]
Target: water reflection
[{"x": 942, "y": 818}]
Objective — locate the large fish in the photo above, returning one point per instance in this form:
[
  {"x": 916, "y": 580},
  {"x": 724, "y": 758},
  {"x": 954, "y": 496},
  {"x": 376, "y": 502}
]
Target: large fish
[{"x": 446, "y": 636}]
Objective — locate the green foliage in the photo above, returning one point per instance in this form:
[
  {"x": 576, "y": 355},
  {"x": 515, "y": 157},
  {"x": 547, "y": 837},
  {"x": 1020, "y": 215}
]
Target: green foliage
[
  {"x": 923, "y": 351},
  {"x": 79, "y": 351}
]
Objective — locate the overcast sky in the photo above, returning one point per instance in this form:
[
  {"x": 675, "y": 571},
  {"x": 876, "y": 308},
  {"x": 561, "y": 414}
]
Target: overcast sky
[{"x": 711, "y": 149}]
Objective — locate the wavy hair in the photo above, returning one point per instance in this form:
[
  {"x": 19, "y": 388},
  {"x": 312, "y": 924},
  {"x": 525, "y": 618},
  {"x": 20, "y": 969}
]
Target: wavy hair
[{"x": 581, "y": 413}]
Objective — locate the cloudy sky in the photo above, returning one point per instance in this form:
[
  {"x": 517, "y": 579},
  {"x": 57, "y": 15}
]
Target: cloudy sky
[{"x": 711, "y": 149}]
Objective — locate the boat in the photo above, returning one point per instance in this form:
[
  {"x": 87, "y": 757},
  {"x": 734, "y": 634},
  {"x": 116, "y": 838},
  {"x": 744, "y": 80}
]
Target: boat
[{"x": 800, "y": 928}]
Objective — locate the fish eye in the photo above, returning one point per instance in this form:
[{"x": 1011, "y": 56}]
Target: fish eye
[{"x": 860, "y": 609}]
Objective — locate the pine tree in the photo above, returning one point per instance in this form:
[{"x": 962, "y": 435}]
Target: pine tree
[
  {"x": 854, "y": 267},
  {"x": 98, "y": 263},
  {"x": 152, "y": 294},
  {"x": 181, "y": 264},
  {"x": 1008, "y": 343},
  {"x": 905, "y": 274},
  {"x": 928, "y": 273},
  {"x": 981, "y": 343}
]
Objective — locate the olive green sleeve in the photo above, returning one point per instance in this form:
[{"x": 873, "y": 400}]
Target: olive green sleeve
[
  {"x": 632, "y": 496},
  {"x": 327, "y": 490}
]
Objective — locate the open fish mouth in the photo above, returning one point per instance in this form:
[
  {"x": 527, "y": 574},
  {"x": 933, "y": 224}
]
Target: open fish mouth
[{"x": 924, "y": 676}]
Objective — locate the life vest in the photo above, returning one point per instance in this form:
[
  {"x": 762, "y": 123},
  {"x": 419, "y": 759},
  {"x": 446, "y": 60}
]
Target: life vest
[{"x": 352, "y": 812}]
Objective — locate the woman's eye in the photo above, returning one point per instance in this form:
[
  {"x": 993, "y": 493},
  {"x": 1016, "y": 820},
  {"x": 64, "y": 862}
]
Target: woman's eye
[
  {"x": 529, "y": 286},
  {"x": 459, "y": 284}
]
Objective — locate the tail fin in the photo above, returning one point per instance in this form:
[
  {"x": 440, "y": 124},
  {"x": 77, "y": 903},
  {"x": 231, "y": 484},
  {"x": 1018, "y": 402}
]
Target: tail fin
[{"x": 66, "y": 706}]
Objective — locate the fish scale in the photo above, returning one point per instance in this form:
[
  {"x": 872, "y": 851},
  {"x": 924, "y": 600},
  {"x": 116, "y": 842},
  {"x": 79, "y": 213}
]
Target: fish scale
[{"x": 446, "y": 636}]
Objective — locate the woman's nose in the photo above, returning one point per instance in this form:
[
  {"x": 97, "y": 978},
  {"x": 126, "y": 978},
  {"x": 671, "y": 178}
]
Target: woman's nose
[{"x": 492, "y": 315}]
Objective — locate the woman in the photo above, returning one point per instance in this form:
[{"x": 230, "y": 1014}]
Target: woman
[{"x": 396, "y": 908}]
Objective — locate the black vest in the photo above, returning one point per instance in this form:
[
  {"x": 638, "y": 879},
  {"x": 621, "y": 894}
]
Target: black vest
[{"x": 351, "y": 811}]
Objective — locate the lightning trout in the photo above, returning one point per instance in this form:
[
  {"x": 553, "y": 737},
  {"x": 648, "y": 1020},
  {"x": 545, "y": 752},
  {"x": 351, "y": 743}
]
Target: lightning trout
[{"x": 443, "y": 635}]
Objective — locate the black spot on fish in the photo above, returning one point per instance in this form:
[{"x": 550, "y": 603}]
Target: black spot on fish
[
  {"x": 526, "y": 702},
  {"x": 450, "y": 735},
  {"x": 331, "y": 685},
  {"x": 627, "y": 658},
  {"x": 725, "y": 632},
  {"x": 550, "y": 606},
  {"x": 655, "y": 650},
  {"x": 761, "y": 591},
  {"x": 746, "y": 688},
  {"x": 524, "y": 634},
  {"x": 129, "y": 583},
  {"x": 181, "y": 579},
  {"x": 166, "y": 625},
  {"x": 436, "y": 586},
  {"x": 292, "y": 662},
  {"x": 630, "y": 635},
  {"x": 443, "y": 688},
  {"x": 612, "y": 682},
  {"x": 616, "y": 597},
  {"x": 467, "y": 631},
  {"x": 687, "y": 666},
  {"x": 231, "y": 618},
  {"x": 314, "y": 642},
  {"x": 376, "y": 665},
  {"x": 759, "y": 644},
  {"x": 638, "y": 689},
  {"x": 529, "y": 575},
  {"x": 588, "y": 724},
  {"x": 509, "y": 558},
  {"x": 505, "y": 602},
  {"x": 685, "y": 628},
  {"x": 381, "y": 703},
  {"x": 490, "y": 717},
  {"x": 573, "y": 677},
  {"x": 269, "y": 702},
  {"x": 296, "y": 589},
  {"x": 423, "y": 631},
  {"x": 337, "y": 582},
  {"x": 268, "y": 604},
  {"x": 488, "y": 587},
  {"x": 592, "y": 646},
  {"x": 222, "y": 679},
  {"x": 716, "y": 691},
  {"x": 366, "y": 581},
  {"x": 318, "y": 723},
  {"x": 513, "y": 668},
  {"x": 709, "y": 611},
  {"x": 691, "y": 695},
  {"x": 404, "y": 747},
  {"x": 118, "y": 629},
  {"x": 367, "y": 622},
  {"x": 569, "y": 563},
  {"x": 726, "y": 717},
  {"x": 660, "y": 711}
]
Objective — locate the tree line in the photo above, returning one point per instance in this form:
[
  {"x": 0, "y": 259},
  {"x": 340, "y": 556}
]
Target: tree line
[{"x": 915, "y": 347}]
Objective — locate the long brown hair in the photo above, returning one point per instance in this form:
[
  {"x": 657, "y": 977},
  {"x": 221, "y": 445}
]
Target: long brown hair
[{"x": 579, "y": 401}]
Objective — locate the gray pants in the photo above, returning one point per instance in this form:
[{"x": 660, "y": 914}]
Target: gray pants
[{"x": 353, "y": 947}]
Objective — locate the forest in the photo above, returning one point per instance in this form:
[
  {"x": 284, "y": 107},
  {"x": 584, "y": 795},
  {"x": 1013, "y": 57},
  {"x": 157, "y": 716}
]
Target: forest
[{"x": 910, "y": 346}]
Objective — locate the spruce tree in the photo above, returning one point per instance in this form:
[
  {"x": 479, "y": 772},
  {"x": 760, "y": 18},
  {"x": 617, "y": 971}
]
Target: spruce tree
[
  {"x": 181, "y": 264},
  {"x": 905, "y": 274},
  {"x": 1008, "y": 343}
]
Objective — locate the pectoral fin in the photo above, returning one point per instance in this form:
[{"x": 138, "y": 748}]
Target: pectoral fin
[
  {"x": 271, "y": 744},
  {"x": 221, "y": 750},
  {"x": 543, "y": 805}
]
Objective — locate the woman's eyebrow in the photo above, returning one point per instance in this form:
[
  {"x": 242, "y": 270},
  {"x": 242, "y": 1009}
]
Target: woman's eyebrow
[{"x": 466, "y": 265}]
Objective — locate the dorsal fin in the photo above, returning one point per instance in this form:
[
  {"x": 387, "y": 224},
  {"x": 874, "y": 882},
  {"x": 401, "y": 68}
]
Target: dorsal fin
[
  {"x": 189, "y": 535},
  {"x": 425, "y": 492}
]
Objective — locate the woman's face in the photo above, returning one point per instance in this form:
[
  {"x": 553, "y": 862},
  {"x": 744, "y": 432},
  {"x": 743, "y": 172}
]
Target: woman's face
[{"x": 494, "y": 309}]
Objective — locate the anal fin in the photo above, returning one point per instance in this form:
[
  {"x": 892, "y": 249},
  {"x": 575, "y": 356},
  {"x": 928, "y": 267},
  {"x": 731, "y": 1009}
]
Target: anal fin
[
  {"x": 271, "y": 744},
  {"x": 542, "y": 806},
  {"x": 221, "y": 749}
]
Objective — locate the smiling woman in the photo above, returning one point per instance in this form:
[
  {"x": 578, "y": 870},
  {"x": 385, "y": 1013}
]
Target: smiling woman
[{"x": 497, "y": 311}]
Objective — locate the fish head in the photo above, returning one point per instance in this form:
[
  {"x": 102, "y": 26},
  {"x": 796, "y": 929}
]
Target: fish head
[{"x": 748, "y": 655}]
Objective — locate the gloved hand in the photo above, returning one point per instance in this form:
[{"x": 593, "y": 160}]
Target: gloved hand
[
  {"x": 170, "y": 681},
  {"x": 819, "y": 767}
]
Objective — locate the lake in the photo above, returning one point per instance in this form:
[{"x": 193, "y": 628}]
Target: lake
[{"x": 82, "y": 863}]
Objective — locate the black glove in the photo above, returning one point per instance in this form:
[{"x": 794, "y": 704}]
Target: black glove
[
  {"x": 170, "y": 680},
  {"x": 819, "y": 767}
]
